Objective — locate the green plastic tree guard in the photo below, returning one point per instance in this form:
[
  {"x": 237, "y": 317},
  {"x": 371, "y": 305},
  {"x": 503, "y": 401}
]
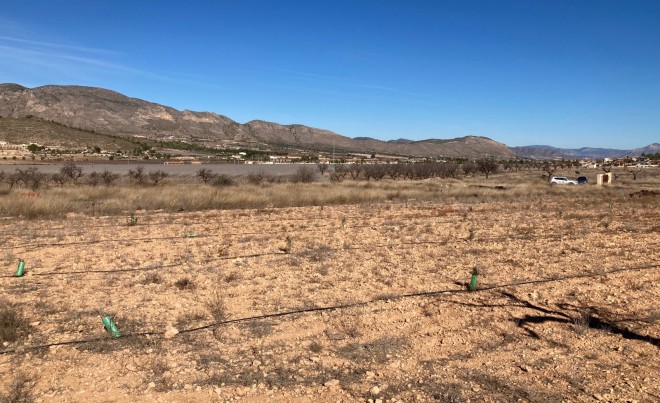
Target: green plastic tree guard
[
  {"x": 20, "y": 270},
  {"x": 473, "y": 280},
  {"x": 111, "y": 327}
]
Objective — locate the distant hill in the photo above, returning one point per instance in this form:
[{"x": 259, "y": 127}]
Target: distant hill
[
  {"x": 105, "y": 111},
  {"x": 547, "y": 152},
  {"x": 13, "y": 130}
]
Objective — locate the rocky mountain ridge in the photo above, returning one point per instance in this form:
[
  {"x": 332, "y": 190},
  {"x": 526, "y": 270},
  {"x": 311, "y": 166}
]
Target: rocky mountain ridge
[{"x": 107, "y": 111}]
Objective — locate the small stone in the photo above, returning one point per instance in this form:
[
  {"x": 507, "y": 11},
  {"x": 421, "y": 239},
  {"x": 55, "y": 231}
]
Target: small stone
[
  {"x": 5, "y": 343},
  {"x": 370, "y": 374},
  {"x": 151, "y": 385},
  {"x": 131, "y": 367},
  {"x": 332, "y": 382},
  {"x": 37, "y": 323},
  {"x": 314, "y": 359},
  {"x": 170, "y": 332},
  {"x": 375, "y": 390},
  {"x": 378, "y": 401},
  {"x": 256, "y": 363},
  {"x": 598, "y": 397}
]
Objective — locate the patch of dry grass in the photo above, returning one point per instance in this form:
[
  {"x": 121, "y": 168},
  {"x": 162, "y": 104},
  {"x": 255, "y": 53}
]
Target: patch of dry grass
[
  {"x": 12, "y": 323},
  {"x": 125, "y": 199}
]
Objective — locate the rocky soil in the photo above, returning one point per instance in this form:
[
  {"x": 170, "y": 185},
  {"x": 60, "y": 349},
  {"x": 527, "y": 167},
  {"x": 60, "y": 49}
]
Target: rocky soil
[{"x": 339, "y": 304}]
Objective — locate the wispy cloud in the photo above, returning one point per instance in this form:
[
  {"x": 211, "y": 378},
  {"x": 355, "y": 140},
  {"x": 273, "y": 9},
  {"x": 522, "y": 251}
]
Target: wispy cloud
[
  {"x": 346, "y": 82},
  {"x": 43, "y": 44},
  {"x": 28, "y": 58}
]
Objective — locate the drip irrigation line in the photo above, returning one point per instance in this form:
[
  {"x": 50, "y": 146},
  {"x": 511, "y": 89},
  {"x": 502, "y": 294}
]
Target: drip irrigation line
[
  {"x": 91, "y": 242},
  {"x": 282, "y": 219},
  {"x": 285, "y": 219},
  {"x": 358, "y": 247},
  {"x": 234, "y": 234},
  {"x": 64, "y": 273},
  {"x": 424, "y": 294},
  {"x": 37, "y": 245},
  {"x": 147, "y": 268}
]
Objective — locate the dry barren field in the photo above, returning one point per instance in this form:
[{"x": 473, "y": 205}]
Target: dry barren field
[{"x": 340, "y": 302}]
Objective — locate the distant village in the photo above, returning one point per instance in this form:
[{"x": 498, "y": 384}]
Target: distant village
[{"x": 41, "y": 153}]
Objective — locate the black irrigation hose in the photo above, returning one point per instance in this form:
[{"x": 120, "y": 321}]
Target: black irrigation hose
[
  {"x": 285, "y": 219},
  {"x": 424, "y": 294},
  {"x": 90, "y": 242},
  {"x": 357, "y": 247},
  {"x": 281, "y": 219},
  {"x": 63, "y": 273},
  {"x": 37, "y": 245},
  {"x": 147, "y": 268}
]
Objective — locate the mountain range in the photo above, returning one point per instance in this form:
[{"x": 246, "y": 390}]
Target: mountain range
[
  {"x": 548, "y": 152},
  {"x": 105, "y": 111}
]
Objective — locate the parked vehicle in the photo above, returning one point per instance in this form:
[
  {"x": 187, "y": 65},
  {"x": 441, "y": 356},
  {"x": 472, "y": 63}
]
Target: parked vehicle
[
  {"x": 562, "y": 180},
  {"x": 582, "y": 180}
]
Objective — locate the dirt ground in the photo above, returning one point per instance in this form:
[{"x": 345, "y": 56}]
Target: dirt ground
[{"x": 340, "y": 304}]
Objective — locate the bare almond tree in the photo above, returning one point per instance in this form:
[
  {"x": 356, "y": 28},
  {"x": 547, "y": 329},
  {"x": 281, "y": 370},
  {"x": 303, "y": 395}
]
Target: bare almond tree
[
  {"x": 487, "y": 166},
  {"x": 137, "y": 174},
  {"x": 322, "y": 166},
  {"x": 634, "y": 171},
  {"x": 108, "y": 177},
  {"x": 550, "y": 168},
  {"x": 355, "y": 170},
  {"x": 59, "y": 179},
  {"x": 205, "y": 175},
  {"x": 157, "y": 176},
  {"x": 469, "y": 168},
  {"x": 339, "y": 173},
  {"x": 72, "y": 171}
]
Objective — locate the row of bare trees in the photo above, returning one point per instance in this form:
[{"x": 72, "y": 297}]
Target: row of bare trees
[
  {"x": 410, "y": 171},
  {"x": 71, "y": 173}
]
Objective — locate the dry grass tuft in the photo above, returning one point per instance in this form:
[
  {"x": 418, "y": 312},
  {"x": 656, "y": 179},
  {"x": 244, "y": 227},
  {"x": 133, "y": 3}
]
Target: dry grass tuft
[
  {"x": 217, "y": 306},
  {"x": 12, "y": 323},
  {"x": 20, "y": 390}
]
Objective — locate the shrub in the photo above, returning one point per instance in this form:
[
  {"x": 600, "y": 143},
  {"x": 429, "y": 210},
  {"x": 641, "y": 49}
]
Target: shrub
[
  {"x": 184, "y": 284},
  {"x": 59, "y": 179},
  {"x": 12, "y": 323},
  {"x": 256, "y": 178},
  {"x": 94, "y": 178},
  {"x": 304, "y": 174},
  {"x": 217, "y": 306},
  {"x": 223, "y": 180},
  {"x": 20, "y": 390}
]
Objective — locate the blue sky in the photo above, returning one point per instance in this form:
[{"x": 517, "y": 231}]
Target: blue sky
[{"x": 567, "y": 73}]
